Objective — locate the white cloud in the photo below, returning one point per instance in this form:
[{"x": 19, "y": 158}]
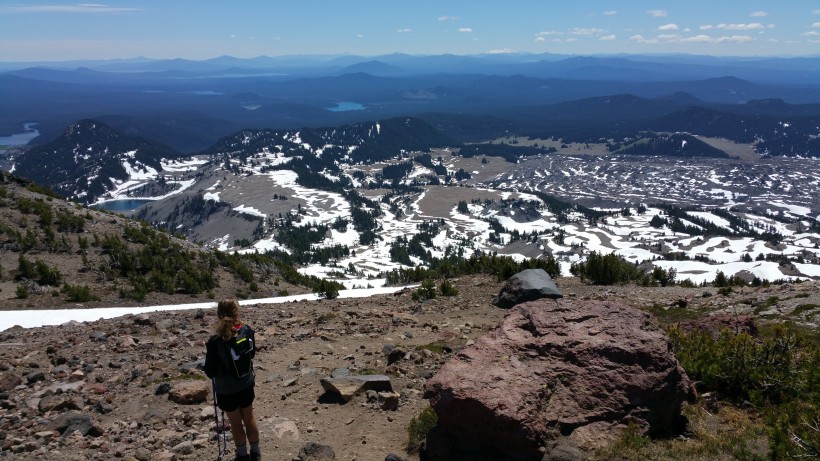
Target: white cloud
[
  {"x": 813, "y": 33},
  {"x": 79, "y": 8},
  {"x": 360, "y": 35},
  {"x": 759, "y": 14},
  {"x": 816, "y": 24},
  {"x": 700, "y": 38},
  {"x": 540, "y": 39},
  {"x": 404, "y": 31},
  {"x": 586, "y": 31},
  {"x": 610, "y": 13},
  {"x": 571, "y": 40},
  {"x": 641, "y": 39},
  {"x": 448, "y": 18},
  {"x": 501, "y": 51},
  {"x": 608, "y": 38},
  {"x": 750, "y": 26},
  {"x": 657, "y": 13},
  {"x": 670, "y": 26},
  {"x": 465, "y": 29}
]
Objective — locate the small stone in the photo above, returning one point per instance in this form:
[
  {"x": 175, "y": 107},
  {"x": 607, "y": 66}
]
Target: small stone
[
  {"x": 184, "y": 448},
  {"x": 163, "y": 388},
  {"x": 189, "y": 392},
  {"x": 35, "y": 377}
]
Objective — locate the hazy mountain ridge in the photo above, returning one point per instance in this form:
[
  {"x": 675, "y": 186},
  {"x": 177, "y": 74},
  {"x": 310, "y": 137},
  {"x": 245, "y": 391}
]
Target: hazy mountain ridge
[{"x": 171, "y": 100}]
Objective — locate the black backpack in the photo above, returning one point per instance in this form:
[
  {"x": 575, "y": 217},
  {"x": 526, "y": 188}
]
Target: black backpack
[{"x": 241, "y": 351}]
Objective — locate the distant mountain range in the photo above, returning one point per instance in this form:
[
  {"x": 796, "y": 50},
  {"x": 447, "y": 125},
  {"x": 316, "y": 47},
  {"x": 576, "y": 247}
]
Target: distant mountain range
[{"x": 189, "y": 105}]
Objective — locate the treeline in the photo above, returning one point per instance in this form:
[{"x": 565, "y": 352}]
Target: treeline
[
  {"x": 738, "y": 227},
  {"x": 509, "y": 152},
  {"x": 403, "y": 248},
  {"x": 453, "y": 264},
  {"x": 675, "y": 145}
]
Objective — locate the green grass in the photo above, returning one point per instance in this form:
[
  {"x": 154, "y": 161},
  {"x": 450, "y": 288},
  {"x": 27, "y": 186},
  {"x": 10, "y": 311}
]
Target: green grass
[
  {"x": 805, "y": 308},
  {"x": 670, "y": 315},
  {"x": 439, "y": 347}
]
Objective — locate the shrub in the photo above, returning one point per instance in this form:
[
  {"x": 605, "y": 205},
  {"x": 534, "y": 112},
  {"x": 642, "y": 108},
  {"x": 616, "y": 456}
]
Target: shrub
[
  {"x": 22, "y": 291},
  {"x": 446, "y": 288},
  {"x": 78, "y": 294},
  {"x": 778, "y": 373},
  {"x": 419, "y": 427},
  {"x": 426, "y": 291},
  {"x": 608, "y": 270}
]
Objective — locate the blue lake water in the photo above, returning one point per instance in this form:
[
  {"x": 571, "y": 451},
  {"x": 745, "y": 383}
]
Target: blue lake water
[
  {"x": 20, "y": 139},
  {"x": 345, "y": 106},
  {"x": 122, "y": 205}
]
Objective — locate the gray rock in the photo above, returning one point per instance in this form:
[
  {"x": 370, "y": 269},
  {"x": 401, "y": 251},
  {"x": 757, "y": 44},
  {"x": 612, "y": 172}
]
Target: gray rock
[
  {"x": 527, "y": 285},
  {"x": 313, "y": 451},
  {"x": 340, "y": 373},
  {"x": 184, "y": 448},
  {"x": 142, "y": 454},
  {"x": 163, "y": 389},
  {"x": 98, "y": 336},
  {"x": 35, "y": 377},
  {"x": 73, "y": 421},
  {"x": 348, "y": 386},
  {"x": 59, "y": 403},
  {"x": 143, "y": 319}
]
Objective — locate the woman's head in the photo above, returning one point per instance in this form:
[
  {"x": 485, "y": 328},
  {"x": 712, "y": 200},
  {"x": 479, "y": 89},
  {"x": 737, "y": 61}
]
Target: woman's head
[{"x": 227, "y": 315}]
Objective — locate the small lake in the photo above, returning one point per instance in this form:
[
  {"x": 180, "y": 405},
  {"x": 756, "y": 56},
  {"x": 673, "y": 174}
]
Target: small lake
[
  {"x": 122, "y": 205},
  {"x": 346, "y": 106},
  {"x": 21, "y": 139}
]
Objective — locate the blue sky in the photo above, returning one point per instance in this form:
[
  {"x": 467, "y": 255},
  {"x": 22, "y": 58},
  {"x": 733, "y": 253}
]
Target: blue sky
[{"x": 201, "y": 29}]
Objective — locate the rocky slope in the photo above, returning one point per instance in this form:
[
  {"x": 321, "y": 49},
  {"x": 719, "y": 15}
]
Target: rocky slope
[
  {"x": 49, "y": 246},
  {"x": 121, "y": 381}
]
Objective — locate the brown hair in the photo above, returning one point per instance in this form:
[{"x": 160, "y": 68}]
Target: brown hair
[{"x": 227, "y": 315}]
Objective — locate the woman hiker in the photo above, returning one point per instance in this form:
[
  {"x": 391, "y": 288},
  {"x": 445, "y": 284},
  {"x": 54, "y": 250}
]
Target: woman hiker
[{"x": 228, "y": 363}]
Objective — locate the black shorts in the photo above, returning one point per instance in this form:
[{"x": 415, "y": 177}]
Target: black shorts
[{"x": 241, "y": 399}]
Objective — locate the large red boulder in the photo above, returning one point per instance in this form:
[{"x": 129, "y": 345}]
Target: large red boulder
[{"x": 556, "y": 376}]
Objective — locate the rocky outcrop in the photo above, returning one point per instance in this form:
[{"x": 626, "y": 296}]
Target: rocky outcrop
[
  {"x": 527, "y": 285},
  {"x": 556, "y": 377}
]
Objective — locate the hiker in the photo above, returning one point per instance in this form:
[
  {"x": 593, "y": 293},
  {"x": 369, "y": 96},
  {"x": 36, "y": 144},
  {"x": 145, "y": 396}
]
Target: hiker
[{"x": 228, "y": 363}]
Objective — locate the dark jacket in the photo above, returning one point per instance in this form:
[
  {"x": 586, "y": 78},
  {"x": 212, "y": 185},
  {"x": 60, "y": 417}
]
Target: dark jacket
[{"x": 219, "y": 368}]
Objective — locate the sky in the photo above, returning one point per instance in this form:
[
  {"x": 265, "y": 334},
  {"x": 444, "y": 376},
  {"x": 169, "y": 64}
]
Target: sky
[{"x": 201, "y": 29}]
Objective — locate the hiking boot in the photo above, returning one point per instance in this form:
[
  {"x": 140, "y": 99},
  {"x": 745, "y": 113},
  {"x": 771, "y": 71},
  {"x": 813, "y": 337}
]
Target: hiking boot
[
  {"x": 256, "y": 457},
  {"x": 242, "y": 458}
]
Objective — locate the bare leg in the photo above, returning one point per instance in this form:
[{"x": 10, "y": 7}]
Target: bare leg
[
  {"x": 238, "y": 432},
  {"x": 249, "y": 421}
]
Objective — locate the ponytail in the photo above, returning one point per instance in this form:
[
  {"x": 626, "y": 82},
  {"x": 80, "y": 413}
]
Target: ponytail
[{"x": 227, "y": 313}]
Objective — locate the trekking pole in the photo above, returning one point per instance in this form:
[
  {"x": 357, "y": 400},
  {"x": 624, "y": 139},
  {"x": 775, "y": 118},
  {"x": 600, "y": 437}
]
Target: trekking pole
[{"x": 221, "y": 445}]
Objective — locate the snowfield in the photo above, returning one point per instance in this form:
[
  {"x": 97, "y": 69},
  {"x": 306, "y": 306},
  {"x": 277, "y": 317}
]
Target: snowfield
[{"x": 765, "y": 191}]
